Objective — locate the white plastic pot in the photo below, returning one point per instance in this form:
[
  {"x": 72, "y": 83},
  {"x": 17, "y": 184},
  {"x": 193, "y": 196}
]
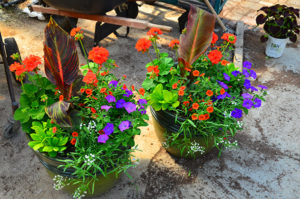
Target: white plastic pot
[{"x": 275, "y": 46}]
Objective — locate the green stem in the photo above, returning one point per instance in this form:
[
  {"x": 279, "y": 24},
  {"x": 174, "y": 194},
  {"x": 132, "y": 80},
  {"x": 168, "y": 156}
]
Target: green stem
[
  {"x": 85, "y": 55},
  {"x": 150, "y": 57}
]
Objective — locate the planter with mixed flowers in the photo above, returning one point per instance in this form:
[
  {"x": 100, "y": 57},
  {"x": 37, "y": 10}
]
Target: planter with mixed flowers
[
  {"x": 82, "y": 128},
  {"x": 197, "y": 99}
]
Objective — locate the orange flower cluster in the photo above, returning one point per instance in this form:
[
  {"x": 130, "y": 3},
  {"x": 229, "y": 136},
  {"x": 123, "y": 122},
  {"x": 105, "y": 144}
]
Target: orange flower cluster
[
  {"x": 154, "y": 32},
  {"x": 214, "y": 38},
  {"x": 181, "y": 91},
  {"x": 174, "y": 44},
  {"x": 215, "y": 56},
  {"x": 153, "y": 69},
  {"x": 224, "y": 62},
  {"x": 31, "y": 62},
  {"x": 143, "y": 45},
  {"x": 142, "y": 91},
  {"x": 90, "y": 78},
  {"x": 18, "y": 68},
  {"x": 209, "y": 93},
  {"x": 98, "y": 55},
  {"x": 77, "y": 33},
  {"x": 196, "y": 73},
  {"x": 231, "y": 38}
]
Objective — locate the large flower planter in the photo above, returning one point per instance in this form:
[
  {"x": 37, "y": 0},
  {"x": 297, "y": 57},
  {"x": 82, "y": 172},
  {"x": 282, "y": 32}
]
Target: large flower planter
[
  {"x": 164, "y": 124},
  {"x": 275, "y": 46}
]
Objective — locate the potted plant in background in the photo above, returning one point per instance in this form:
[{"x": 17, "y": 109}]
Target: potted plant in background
[
  {"x": 280, "y": 24},
  {"x": 81, "y": 128},
  {"x": 197, "y": 103}
]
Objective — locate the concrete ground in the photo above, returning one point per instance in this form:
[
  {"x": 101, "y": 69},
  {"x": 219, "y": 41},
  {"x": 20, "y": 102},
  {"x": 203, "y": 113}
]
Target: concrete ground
[{"x": 266, "y": 164}]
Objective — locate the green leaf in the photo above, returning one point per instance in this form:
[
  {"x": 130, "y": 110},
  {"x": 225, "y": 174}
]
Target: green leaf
[
  {"x": 35, "y": 137},
  {"x": 63, "y": 141},
  {"x": 21, "y": 115},
  {"x": 33, "y": 143},
  {"x": 30, "y": 89},
  {"x": 167, "y": 96},
  {"x": 148, "y": 84},
  {"x": 37, "y": 146},
  {"x": 24, "y": 100},
  {"x": 52, "y": 154},
  {"x": 47, "y": 149},
  {"x": 176, "y": 104},
  {"x": 198, "y": 36},
  {"x": 35, "y": 104}
]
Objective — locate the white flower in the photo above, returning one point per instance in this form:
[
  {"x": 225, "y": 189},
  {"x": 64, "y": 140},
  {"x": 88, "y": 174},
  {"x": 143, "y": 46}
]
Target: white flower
[{"x": 195, "y": 147}]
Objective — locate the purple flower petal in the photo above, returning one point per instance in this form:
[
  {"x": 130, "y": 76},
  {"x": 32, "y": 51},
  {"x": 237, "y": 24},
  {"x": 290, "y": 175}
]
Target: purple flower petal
[
  {"x": 113, "y": 83},
  {"x": 103, "y": 138},
  {"x": 247, "y": 96},
  {"x": 256, "y": 103},
  {"x": 253, "y": 88},
  {"x": 237, "y": 113},
  {"x": 128, "y": 93},
  {"x": 124, "y": 125},
  {"x": 253, "y": 74},
  {"x": 247, "y": 64},
  {"x": 246, "y": 73},
  {"x": 223, "y": 85},
  {"x": 247, "y": 84},
  {"x": 120, "y": 103},
  {"x": 108, "y": 129},
  {"x": 106, "y": 107},
  {"x": 235, "y": 73},
  {"x": 142, "y": 101},
  {"x": 262, "y": 87},
  {"x": 110, "y": 98},
  {"x": 129, "y": 107},
  {"x": 226, "y": 77},
  {"x": 247, "y": 103}
]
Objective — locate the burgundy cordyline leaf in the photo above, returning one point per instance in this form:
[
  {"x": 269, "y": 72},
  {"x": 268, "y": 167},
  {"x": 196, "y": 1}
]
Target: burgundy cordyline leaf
[
  {"x": 61, "y": 58},
  {"x": 58, "y": 112},
  {"x": 198, "y": 35},
  {"x": 260, "y": 19}
]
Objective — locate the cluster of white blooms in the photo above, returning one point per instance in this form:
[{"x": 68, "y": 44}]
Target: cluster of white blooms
[
  {"x": 195, "y": 147},
  {"x": 58, "y": 182},
  {"x": 227, "y": 143},
  {"x": 78, "y": 194},
  {"x": 234, "y": 102},
  {"x": 89, "y": 159},
  {"x": 226, "y": 114},
  {"x": 240, "y": 124},
  {"x": 91, "y": 125}
]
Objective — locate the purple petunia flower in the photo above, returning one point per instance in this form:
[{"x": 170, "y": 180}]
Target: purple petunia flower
[
  {"x": 103, "y": 138},
  {"x": 120, "y": 103},
  {"x": 235, "y": 73},
  {"x": 113, "y": 83},
  {"x": 247, "y": 96},
  {"x": 129, "y": 107},
  {"x": 143, "y": 112},
  {"x": 106, "y": 107},
  {"x": 247, "y": 64},
  {"x": 226, "y": 77},
  {"x": 253, "y": 74},
  {"x": 223, "y": 96},
  {"x": 110, "y": 98},
  {"x": 128, "y": 93},
  {"x": 247, "y": 103},
  {"x": 124, "y": 125},
  {"x": 247, "y": 84},
  {"x": 253, "y": 88},
  {"x": 108, "y": 129},
  {"x": 246, "y": 73},
  {"x": 256, "y": 103},
  {"x": 223, "y": 85},
  {"x": 237, "y": 113},
  {"x": 262, "y": 87},
  {"x": 142, "y": 101}
]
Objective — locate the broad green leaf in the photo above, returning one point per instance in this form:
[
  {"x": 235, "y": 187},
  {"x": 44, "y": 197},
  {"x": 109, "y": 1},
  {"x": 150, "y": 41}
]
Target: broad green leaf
[
  {"x": 24, "y": 100},
  {"x": 36, "y": 147},
  {"x": 35, "y": 137},
  {"x": 148, "y": 84},
  {"x": 167, "y": 96},
  {"x": 21, "y": 115},
  {"x": 58, "y": 112},
  {"x": 176, "y": 104},
  {"x": 30, "y": 89},
  {"x": 63, "y": 141},
  {"x": 33, "y": 143},
  {"x": 35, "y": 104},
  {"x": 48, "y": 149},
  {"x": 61, "y": 58},
  {"x": 198, "y": 35}
]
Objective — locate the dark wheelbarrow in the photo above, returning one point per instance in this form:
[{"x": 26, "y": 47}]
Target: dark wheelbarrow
[
  {"x": 7, "y": 48},
  {"x": 126, "y": 12}
]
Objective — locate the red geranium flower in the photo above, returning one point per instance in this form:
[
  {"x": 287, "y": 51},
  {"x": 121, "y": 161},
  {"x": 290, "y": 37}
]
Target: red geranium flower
[
  {"x": 54, "y": 129},
  {"x": 174, "y": 44},
  {"x": 98, "y": 55},
  {"x": 194, "y": 116},
  {"x": 142, "y": 91},
  {"x": 18, "y": 68},
  {"x": 201, "y": 117},
  {"x": 222, "y": 91},
  {"x": 196, "y": 73},
  {"x": 90, "y": 78},
  {"x": 73, "y": 141},
  {"x": 93, "y": 110},
  {"x": 102, "y": 90},
  {"x": 174, "y": 86},
  {"x": 75, "y": 134},
  {"x": 206, "y": 116},
  {"x": 154, "y": 31},
  {"x": 215, "y": 56},
  {"x": 214, "y": 38},
  {"x": 31, "y": 62},
  {"x": 210, "y": 109},
  {"x": 143, "y": 45},
  {"x": 180, "y": 92},
  {"x": 195, "y": 106},
  {"x": 182, "y": 87},
  {"x": 231, "y": 38},
  {"x": 209, "y": 93},
  {"x": 89, "y": 91}
]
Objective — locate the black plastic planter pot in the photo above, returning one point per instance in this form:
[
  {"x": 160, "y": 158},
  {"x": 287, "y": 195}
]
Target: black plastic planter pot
[
  {"x": 164, "y": 124},
  {"x": 85, "y": 6}
]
